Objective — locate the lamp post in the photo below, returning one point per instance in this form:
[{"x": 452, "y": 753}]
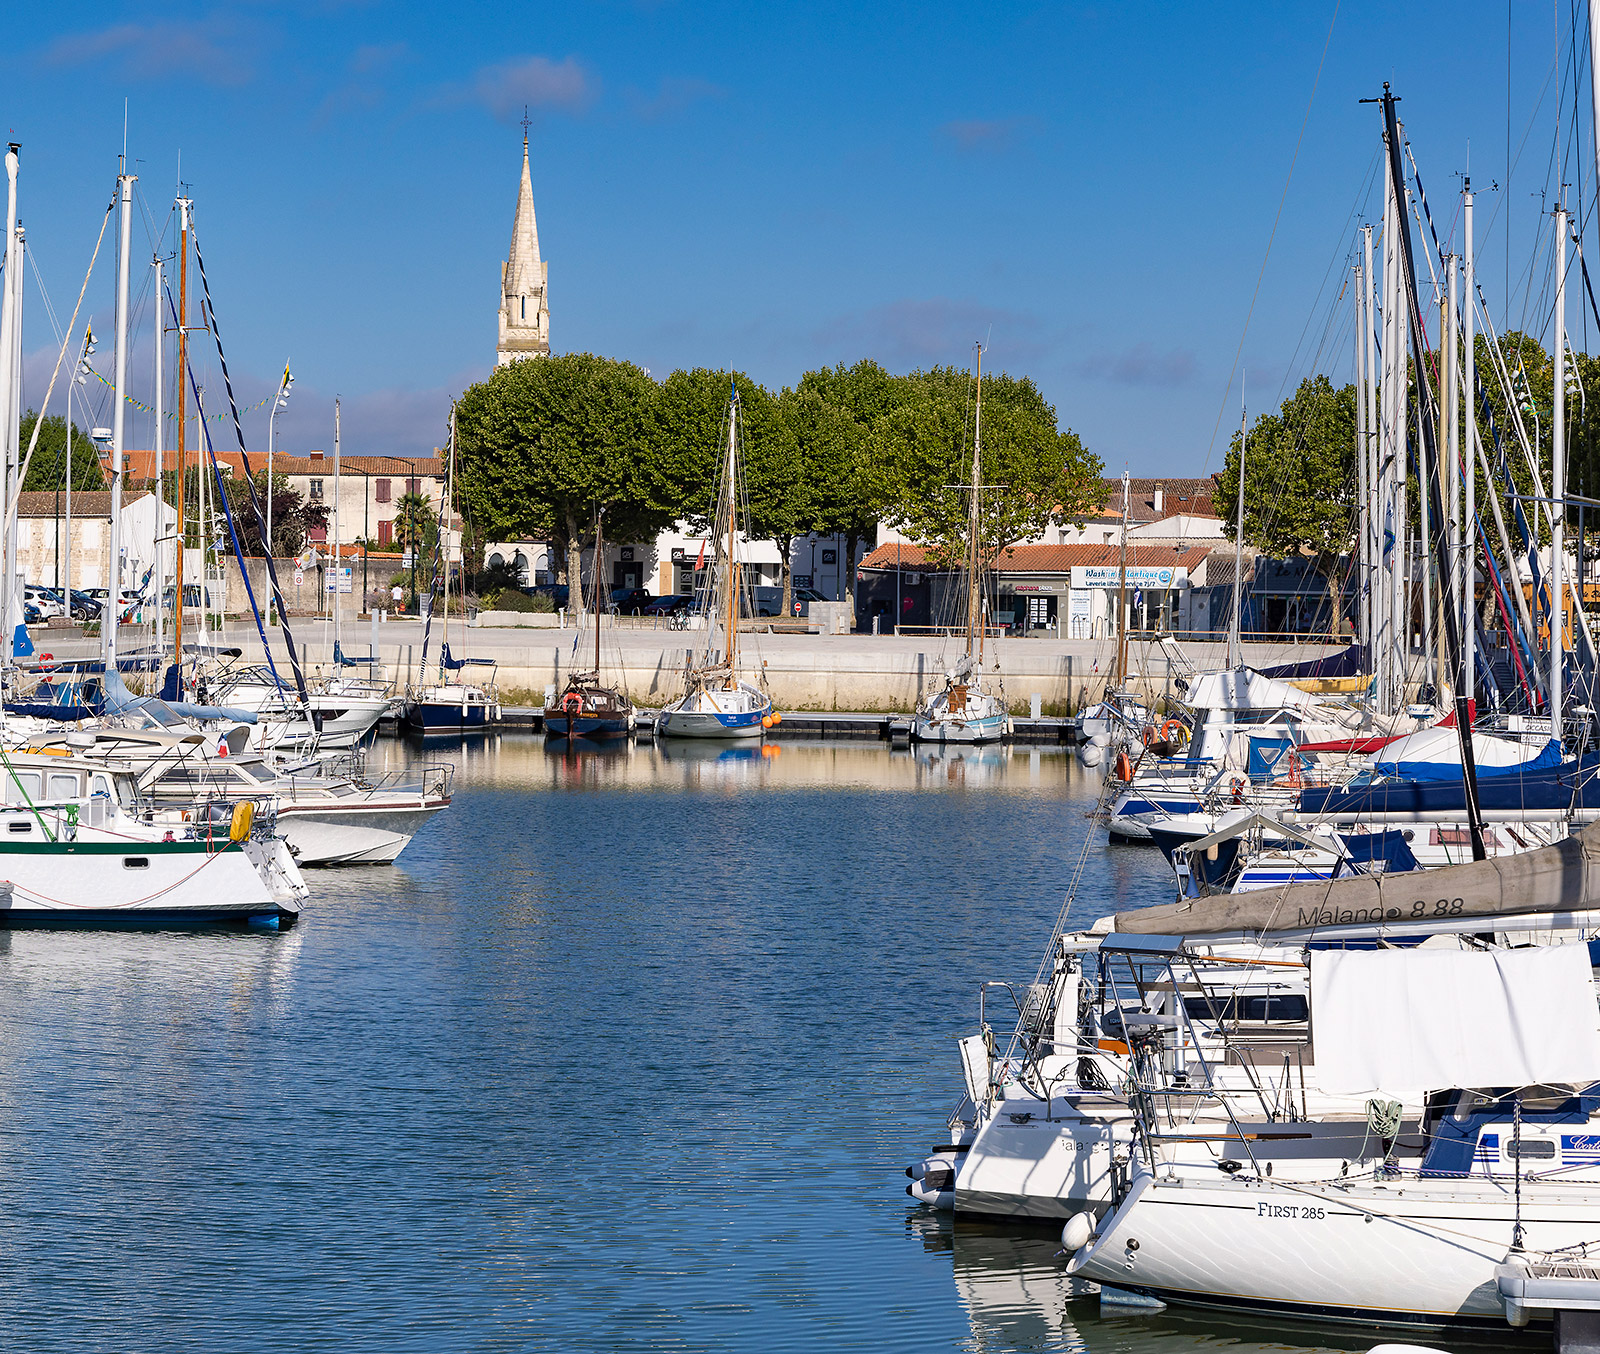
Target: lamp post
[{"x": 279, "y": 401}]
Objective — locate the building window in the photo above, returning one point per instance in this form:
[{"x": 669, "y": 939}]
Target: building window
[
  {"x": 382, "y": 494},
  {"x": 317, "y": 533},
  {"x": 413, "y": 486},
  {"x": 316, "y": 491},
  {"x": 385, "y": 533}
]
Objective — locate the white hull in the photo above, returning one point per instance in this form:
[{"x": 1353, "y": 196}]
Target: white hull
[
  {"x": 1405, "y": 1254},
  {"x": 716, "y": 712},
  {"x": 368, "y": 835}
]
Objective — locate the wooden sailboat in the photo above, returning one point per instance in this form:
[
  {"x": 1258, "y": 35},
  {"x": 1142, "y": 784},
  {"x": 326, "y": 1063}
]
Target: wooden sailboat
[
  {"x": 715, "y": 703},
  {"x": 964, "y": 711},
  {"x": 452, "y": 704},
  {"x": 587, "y": 709}
]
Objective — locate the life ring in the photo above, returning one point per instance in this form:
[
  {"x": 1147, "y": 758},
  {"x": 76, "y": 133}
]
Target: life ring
[
  {"x": 1236, "y": 785},
  {"x": 46, "y": 662},
  {"x": 1174, "y": 731},
  {"x": 1124, "y": 767},
  {"x": 572, "y": 703}
]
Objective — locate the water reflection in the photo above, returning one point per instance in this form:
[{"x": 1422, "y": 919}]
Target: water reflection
[{"x": 1017, "y": 1296}]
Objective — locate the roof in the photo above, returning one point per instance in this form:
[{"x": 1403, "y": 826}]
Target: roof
[
  {"x": 1178, "y": 495},
  {"x": 141, "y": 465},
  {"x": 1045, "y": 559},
  {"x": 85, "y": 503}
]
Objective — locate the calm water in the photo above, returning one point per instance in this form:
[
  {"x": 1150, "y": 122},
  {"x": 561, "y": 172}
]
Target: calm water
[{"x": 628, "y": 1053}]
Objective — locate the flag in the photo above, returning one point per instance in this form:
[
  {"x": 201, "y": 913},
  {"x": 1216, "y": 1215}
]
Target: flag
[
  {"x": 1388, "y": 538},
  {"x": 21, "y": 645}
]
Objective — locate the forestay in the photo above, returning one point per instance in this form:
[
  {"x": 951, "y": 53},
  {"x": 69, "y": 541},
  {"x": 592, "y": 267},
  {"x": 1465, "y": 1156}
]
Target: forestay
[{"x": 1405, "y": 1022}]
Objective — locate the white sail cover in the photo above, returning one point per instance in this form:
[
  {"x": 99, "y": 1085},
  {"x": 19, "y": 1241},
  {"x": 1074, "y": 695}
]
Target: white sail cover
[{"x": 1404, "y": 1022}]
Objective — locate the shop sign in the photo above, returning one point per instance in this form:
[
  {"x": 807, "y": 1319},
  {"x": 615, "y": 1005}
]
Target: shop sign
[{"x": 1139, "y": 576}]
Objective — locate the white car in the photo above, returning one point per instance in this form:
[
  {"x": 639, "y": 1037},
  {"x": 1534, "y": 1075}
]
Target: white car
[{"x": 36, "y": 595}]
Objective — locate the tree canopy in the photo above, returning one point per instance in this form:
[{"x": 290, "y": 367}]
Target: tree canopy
[{"x": 48, "y": 468}]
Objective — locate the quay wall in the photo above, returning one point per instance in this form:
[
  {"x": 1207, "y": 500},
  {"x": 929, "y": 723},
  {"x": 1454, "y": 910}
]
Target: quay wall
[{"x": 811, "y": 672}]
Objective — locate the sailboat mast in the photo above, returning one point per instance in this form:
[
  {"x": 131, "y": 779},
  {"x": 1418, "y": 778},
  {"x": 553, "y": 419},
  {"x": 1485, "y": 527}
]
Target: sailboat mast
[
  {"x": 1122, "y": 591},
  {"x": 1558, "y": 485},
  {"x": 599, "y": 552},
  {"x": 108, "y": 624},
  {"x": 160, "y": 458},
  {"x": 183, "y": 386},
  {"x": 10, "y": 392},
  {"x": 1236, "y": 624},
  {"x": 338, "y": 565},
  {"x": 1469, "y": 513},
  {"x": 972, "y": 529},
  {"x": 732, "y": 500},
  {"x": 445, "y": 509}
]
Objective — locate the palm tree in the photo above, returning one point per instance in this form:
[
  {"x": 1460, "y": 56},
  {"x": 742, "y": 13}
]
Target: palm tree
[{"x": 414, "y": 523}]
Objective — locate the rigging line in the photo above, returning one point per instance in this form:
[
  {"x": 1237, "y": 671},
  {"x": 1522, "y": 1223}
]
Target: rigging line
[
  {"x": 1272, "y": 235},
  {"x": 244, "y": 457},
  {"x": 38, "y": 423}
]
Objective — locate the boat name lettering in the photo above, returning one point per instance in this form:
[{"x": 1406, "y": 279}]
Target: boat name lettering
[
  {"x": 1303, "y": 1212},
  {"x": 1355, "y": 916}
]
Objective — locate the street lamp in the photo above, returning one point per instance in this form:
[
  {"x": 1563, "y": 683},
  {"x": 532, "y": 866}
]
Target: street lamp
[{"x": 280, "y": 400}]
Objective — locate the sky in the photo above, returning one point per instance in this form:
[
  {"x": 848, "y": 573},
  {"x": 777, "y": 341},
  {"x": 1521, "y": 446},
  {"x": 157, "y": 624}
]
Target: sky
[{"x": 1088, "y": 189}]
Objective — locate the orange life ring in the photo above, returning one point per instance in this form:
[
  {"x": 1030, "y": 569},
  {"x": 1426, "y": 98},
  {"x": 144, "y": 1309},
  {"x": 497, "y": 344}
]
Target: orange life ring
[
  {"x": 1173, "y": 730},
  {"x": 1124, "y": 767},
  {"x": 46, "y": 662},
  {"x": 572, "y": 702}
]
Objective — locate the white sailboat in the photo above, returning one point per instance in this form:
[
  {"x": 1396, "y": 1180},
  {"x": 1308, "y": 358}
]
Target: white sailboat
[
  {"x": 716, "y": 703},
  {"x": 965, "y": 711},
  {"x": 452, "y": 704}
]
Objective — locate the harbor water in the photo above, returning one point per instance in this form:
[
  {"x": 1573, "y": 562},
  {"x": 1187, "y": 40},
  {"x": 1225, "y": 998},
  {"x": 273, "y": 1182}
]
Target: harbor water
[{"x": 627, "y": 1053}]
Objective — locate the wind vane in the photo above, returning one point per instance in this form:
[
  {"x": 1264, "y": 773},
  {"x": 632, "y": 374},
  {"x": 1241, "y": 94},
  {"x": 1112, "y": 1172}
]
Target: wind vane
[{"x": 526, "y": 123}]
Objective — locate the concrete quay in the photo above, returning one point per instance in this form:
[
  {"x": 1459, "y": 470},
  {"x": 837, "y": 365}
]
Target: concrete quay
[{"x": 866, "y": 675}]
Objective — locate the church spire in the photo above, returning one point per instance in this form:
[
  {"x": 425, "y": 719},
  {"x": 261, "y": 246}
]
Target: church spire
[{"x": 524, "y": 313}]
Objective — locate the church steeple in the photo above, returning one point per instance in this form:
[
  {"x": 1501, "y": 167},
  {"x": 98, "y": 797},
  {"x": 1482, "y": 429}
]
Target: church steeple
[{"x": 524, "y": 310}]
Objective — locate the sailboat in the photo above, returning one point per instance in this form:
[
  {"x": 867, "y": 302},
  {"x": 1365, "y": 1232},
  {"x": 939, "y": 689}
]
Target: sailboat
[
  {"x": 587, "y": 709},
  {"x": 452, "y": 704},
  {"x": 715, "y": 703},
  {"x": 964, "y": 712}
]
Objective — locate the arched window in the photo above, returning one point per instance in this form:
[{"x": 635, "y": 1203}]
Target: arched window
[
  {"x": 521, "y": 564},
  {"x": 496, "y": 560}
]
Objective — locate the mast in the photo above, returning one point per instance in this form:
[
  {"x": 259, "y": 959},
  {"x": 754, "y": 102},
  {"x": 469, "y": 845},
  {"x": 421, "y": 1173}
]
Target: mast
[
  {"x": 1428, "y": 465},
  {"x": 108, "y": 625},
  {"x": 1469, "y": 484},
  {"x": 160, "y": 454},
  {"x": 1374, "y": 503},
  {"x": 972, "y": 531},
  {"x": 10, "y": 395},
  {"x": 1122, "y": 591},
  {"x": 1236, "y": 623},
  {"x": 183, "y": 430},
  {"x": 1449, "y": 374},
  {"x": 338, "y": 559},
  {"x": 445, "y": 509},
  {"x": 1558, "y": 485},
  {"x": 1363, "y": 619},
  {"x": 599, "y": 549},
  {"x": 733, "y": 498}
]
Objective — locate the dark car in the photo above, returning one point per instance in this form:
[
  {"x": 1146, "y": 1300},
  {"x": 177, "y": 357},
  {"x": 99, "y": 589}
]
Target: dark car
[
  {"x": 85, "y": 607},
  {"x": 631, "y": 601},
  {"x": 669, "y": 606},
  {"x": 556, "y": 592}
]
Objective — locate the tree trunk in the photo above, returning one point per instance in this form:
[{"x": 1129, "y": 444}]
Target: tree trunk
[
  {"x": 574, "y": 565},
  {"x": 786, "y": 562},
  {"x": 1335, "y": 601},
  {"x": 848, "y": 564}
]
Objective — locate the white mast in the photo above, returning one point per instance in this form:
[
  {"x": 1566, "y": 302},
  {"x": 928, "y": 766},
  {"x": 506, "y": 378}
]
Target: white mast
[
  {"x": 976, "y": 518},
  {"x": 1374, "y": 501},
  {"x": 161, "y": 459},
  {"x": 119, "y": 393},
  {"x": 10, "y": 395},
  {"x": 1236, "y": 623},
  {"x": 1469, "y": 516},
  {"x": 1558, "y": 482},
  {"x": 1363, "y": 619},
  {"x": 1452, "y": 446},
  {"x": 338, "y": 559}
]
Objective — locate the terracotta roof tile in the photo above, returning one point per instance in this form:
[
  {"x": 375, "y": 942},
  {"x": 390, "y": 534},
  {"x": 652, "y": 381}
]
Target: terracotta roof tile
[{"x": 1044, "y": 559}]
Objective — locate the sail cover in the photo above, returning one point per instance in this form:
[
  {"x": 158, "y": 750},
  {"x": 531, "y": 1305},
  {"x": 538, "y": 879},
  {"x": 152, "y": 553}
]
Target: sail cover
[
  {"x": 1563, "y": 877},
  {"x": 1409, "y": 1021}
]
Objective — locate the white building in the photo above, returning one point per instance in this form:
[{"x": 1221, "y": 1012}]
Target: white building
[{"x": 48, "y": 544}]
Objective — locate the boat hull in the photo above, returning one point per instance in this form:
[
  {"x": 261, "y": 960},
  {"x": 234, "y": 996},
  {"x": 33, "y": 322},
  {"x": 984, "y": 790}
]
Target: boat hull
[
  {"x": 716, "y": 712},
  {"x": 1405, "y": 1256},
  {"x": 989, "y": 729},
  {"x": 371, "y": 835},
  {"x": 563, "y": 725},
  {"x": 448, "y": 716}
]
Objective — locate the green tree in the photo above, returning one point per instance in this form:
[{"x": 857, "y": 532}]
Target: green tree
[
  {"x": 545, "y": 443},
  {"x": 48, "y": 468},
  {"x": 832, "y": 413},
  {"x": 1300, "y": 484},
  {"x": 922, "y": 457}
]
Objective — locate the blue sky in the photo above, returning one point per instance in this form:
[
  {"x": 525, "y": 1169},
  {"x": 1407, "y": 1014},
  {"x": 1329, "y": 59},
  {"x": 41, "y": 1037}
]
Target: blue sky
[{"x": 1089, "y": 188}]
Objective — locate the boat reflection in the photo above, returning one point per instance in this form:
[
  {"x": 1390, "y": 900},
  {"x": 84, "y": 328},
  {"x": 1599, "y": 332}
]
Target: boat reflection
[{"x": 1017, "y": 1295}]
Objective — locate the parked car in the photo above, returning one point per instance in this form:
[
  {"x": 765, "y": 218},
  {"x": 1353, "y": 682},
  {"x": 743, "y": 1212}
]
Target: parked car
[
  {"x": 556, "y": 592},
  {"x": 84, "y": 607},
  {"x": 42, "y": 600},
  {"x": 769, "y": 601},
  {"x": 631, "y": 601},
  {"x": 669, "y": 606},
  {"x": 30, "y": 614}
]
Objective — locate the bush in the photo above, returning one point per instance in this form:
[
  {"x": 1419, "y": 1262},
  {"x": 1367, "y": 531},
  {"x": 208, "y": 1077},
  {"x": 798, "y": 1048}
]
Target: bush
[{"x": 514, "y": 599}]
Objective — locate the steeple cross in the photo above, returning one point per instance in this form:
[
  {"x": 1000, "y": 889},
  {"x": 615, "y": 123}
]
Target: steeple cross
[{"x": 526, "y": 123}]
